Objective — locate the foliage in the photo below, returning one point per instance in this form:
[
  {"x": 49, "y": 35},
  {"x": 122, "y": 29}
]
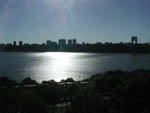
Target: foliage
[{"x": 112, "y": 92}]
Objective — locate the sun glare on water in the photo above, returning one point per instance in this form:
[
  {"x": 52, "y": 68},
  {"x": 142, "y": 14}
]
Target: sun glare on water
[{"x": 59, "y": 63}]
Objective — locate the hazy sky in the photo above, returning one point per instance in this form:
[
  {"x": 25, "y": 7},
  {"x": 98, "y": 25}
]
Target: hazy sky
[{"x": 85, "y": 20}]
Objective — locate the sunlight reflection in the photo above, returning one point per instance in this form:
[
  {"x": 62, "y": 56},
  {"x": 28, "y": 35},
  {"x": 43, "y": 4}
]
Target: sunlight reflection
[{"x": 59, "y": 63}]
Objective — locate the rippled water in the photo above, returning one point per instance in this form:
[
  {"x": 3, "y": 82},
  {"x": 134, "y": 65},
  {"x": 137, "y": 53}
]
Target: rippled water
[{"x": 62, "y": 65}]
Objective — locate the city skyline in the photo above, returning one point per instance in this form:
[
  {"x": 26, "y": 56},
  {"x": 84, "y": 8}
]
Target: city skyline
[
  {"x": 73, "y": 41},
  {"x": 79, "y": 42},
  {"x": 70, "y": 42},
  {"x": 85, "y": 20},
  {"x": 71, "y": 45}
]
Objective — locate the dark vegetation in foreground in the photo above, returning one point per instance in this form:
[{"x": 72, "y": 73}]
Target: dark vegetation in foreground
[{"x": 111, "y": 92}]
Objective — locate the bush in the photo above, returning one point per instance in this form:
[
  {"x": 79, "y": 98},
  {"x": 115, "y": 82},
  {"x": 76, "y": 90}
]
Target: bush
[{"x": 28, "y": 81}]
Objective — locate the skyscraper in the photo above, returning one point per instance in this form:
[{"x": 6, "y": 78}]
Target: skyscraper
[
  {"x": 48, "y": 42},
  {"x": 14, "y": 43},
  {"x": 20, "y": 43},
  {"x": 62, "y": 42},
  {"x": 70, "y": 42},
  {"x": 74, "y": 41}
]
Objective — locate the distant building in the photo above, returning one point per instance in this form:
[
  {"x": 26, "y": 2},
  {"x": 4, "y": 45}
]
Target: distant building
[
  {"x": 2, "y": 46},
  {"x": 121, "y": 43},
  {"x": 35, "y": 45},
  {"x": 70, "y": 42},
  {"x": 48, "y": 42},
  {"x": 9, "y": 45},
  {"x": 14, "y": 43},
  {"x": 43, "y": 44},
  {"x": 108, "y": 43},
  {"x": 54, "y": 43},
  {"x": 134, "y": 40},
  {"x": 74, "y": 41},
  {"x": 62, "y": 42},
  {"x": 20, "y": 43},
  {"x": 26, "y": 44}
]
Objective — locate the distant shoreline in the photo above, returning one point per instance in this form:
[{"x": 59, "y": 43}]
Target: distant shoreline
[{"x": 92, "y": 48}]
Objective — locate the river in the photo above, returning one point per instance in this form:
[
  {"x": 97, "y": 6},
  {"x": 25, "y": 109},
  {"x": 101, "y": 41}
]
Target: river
[{"x": 62, "y": 65}]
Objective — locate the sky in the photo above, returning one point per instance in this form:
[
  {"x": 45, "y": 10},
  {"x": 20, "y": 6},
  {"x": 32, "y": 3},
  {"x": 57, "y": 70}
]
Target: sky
[{"x": 36, "y": 21}]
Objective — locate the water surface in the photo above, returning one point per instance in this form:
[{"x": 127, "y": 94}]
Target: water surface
[{"x": 62, "y": 65}]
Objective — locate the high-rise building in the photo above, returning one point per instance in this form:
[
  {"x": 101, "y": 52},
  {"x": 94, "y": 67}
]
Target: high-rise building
[
  {"x": 69, "y": 42},
  {"x": 14, "y": 43},
  {"x": 48, "y": 42},
  {"x": 20, "y": 43},
  {"x": 74, "y": 41},
  {"x": 62, "y": 42}
]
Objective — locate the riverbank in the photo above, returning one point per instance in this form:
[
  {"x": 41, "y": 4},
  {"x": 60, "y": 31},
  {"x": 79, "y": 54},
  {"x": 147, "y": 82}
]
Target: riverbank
[
  {"x": 96, "y": 47},
  {"x": 114, "y": 91}
]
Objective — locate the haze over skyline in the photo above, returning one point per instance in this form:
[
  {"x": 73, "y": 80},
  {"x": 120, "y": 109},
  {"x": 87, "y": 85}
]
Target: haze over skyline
[{"x": 85, "y": 20}]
